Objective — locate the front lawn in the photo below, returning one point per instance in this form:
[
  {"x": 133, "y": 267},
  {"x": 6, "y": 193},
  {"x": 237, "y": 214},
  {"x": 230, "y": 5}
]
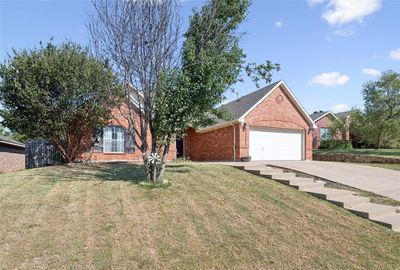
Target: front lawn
[
  {"x": 394, "y": 153},
  {"x": 96, "y": 217}
]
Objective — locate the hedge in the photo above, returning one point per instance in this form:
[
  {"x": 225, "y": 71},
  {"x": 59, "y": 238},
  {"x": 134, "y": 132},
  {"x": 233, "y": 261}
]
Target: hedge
[{"x": 335, "y": 144}]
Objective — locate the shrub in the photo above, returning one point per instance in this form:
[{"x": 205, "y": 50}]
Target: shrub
[{"x": 336, "y": 144}]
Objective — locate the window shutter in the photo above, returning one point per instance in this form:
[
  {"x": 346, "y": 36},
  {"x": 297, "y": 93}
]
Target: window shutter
[
  {"x": 98, "y": 141},
  {"x": 129, "y": 144}
]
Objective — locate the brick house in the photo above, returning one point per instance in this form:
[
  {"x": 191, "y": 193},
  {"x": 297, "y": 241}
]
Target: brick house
[
  {"x": 269, "y": 124},
  {"x": 12, "y": 155},
  {"x": 323, "y": 120},
  {"x": 115, "y": 143}
]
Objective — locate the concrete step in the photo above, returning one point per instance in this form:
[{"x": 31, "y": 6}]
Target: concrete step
[
  {"x": 392, "y": 221},
  {"x": 328, "y": 193},
  {"x": 295, "y": 180},
  {"x": 309, "y": 186},
  {"x": 304, "y": 178},
  {"x": 278, "y": 176},
  {"x": 265, "y": 171},
  {"x": 253, "y": 171},
  {"x": 249, "y": 166},
  {"x": 301, "y": 183},
  {"x": 272, "y": 170},
  {"x": 371, "y": 210},
  {"x": 349, "y": 201}
]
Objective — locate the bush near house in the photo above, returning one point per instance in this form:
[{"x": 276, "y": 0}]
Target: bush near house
[{"x": 335, "y": 144}]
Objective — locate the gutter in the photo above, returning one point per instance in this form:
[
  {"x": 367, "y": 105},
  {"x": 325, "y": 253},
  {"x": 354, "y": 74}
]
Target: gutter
[
  {"x": 218, "y": 126},
  {"x": 12, "y": 144},
  {"x": 234, "y": 142}
]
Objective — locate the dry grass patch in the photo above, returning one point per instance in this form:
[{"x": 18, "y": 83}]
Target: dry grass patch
[{"x": 99, "y": 217}]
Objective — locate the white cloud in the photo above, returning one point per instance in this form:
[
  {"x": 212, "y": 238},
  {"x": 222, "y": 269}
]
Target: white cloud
[
  {"x": 279, "y": 23},
  {"x": 341, "y": 33},
  {"x": 340, "y": 108},
  {"x": 339, "y": 12},
  {"x": 371, "y": 72},
  {"x": 329, "y": 79},
  {"x": 345, "y": 11},
  {"x": 395, "y": 54},
  {"x": 344, "y": 32}
]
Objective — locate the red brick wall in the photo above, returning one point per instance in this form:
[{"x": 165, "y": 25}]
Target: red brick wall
[
  {"x": 324, "y": 122},
  {"x": 11, "y": 158},
  {"x": 218, "y": 144},
  {"x": 119, "y": 120},
  {"x": 212, "y": 145},
  {"x": 283, "y": 114}
]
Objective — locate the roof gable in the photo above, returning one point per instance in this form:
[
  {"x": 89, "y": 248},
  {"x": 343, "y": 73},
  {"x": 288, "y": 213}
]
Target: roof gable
[
  {"x": 241, "y": 107},
  {"x": 238, "y": 107},
  {"x": 316, "y": 116}
]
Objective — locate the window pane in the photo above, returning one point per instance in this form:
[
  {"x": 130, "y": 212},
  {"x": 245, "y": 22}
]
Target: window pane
[{"x": 113, "y": 139}]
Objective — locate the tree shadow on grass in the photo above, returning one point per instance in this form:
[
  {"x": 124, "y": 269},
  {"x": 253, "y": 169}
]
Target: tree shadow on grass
[
  {"x": 179, "y": 168},
  {"x": 118, "y": 171}
]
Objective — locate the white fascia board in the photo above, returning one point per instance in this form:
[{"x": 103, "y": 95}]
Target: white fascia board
[
  {"x": 325, "y": 114},
  {"x": 227, "y": 124},
  {"x": 291, "y": 95}
]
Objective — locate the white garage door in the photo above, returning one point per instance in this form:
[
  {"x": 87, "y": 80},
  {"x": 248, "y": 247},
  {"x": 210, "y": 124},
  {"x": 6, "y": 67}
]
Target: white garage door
[{"x": 275, "y": 144}]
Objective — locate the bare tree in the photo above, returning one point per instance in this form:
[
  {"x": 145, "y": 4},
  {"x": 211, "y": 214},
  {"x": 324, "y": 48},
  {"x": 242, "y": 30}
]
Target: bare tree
[{"x": 141, "y": 38}]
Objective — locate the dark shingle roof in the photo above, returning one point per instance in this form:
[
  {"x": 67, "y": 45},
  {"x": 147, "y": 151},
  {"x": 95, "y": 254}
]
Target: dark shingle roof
[
  {"x": 343, "y": 114},
  {"x": 240, "y": 106},
  {"x": 8, "y": 141},
  {"x": 314, "y": 116}
]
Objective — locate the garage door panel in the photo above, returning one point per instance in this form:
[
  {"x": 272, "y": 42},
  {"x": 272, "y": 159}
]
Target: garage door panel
[{"x": 275, "y": 144}]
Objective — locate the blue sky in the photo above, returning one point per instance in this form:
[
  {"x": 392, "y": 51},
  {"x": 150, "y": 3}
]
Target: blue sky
[{"x": 327, "y": 48}]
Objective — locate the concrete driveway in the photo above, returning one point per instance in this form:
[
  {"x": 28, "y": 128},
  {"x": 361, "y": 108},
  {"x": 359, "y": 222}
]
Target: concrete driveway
[{"x": 384, "y": 182}]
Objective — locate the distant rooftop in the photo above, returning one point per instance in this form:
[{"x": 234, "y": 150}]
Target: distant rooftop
[
  {"x": 317, "y": 114},
  {"x": 343, "y": 114},
  {"x": 7, "y": 141}
]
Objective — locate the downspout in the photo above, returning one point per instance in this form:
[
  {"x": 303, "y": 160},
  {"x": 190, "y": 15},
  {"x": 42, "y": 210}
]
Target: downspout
[{"x": 234, "y": 142}]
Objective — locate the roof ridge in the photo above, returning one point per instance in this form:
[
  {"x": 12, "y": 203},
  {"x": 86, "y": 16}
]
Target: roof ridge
[{"x": 251, "y": 93}]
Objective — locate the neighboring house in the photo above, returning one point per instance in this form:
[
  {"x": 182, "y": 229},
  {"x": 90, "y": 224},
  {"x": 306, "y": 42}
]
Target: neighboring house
[
  {"x": 324, "y": 120},
  {"x": 268, "y": 124},
  {"x": 12, "y": 155},
  {"x": 345, "y": 115}
]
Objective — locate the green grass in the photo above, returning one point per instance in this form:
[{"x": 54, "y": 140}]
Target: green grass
[
  {"x": 209, "y": 217},
  {"x": 394, "y": 153}
]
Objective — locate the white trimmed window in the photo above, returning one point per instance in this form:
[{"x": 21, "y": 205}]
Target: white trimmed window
[
  {"x": 325, "y": 134},
  {"x": 113, "y": 139}
]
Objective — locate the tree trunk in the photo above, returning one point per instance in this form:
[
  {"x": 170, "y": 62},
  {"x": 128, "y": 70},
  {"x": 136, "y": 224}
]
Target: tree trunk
[
  {"x": 378, "y": 140},
  {"x": 160, "y": 177}
]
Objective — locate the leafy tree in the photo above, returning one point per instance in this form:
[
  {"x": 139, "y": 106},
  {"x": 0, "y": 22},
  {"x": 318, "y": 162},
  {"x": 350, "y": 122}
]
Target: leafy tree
[
  {"x": 212, "y": 62},
  {"x": 141, "y": 39},
  {"x": 174, "y": 89},
  {"x": 4, "y": 131},
  {"x": 58, "y": 93},
  {"x": 381, "y": 117}
]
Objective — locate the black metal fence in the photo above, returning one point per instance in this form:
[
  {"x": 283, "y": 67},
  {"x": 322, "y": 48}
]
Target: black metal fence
[{"x": 40, "y": 153}]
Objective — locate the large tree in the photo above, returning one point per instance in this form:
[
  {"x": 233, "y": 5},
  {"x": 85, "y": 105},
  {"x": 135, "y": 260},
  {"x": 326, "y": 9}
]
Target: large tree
[
  {"x": 212, "y": 61},
  {"x": 379, "y": 122},
  {"x": 172, "y": 88},
  {"x": 58, "y": 93},
  {"x": 141, "y": 39}
]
